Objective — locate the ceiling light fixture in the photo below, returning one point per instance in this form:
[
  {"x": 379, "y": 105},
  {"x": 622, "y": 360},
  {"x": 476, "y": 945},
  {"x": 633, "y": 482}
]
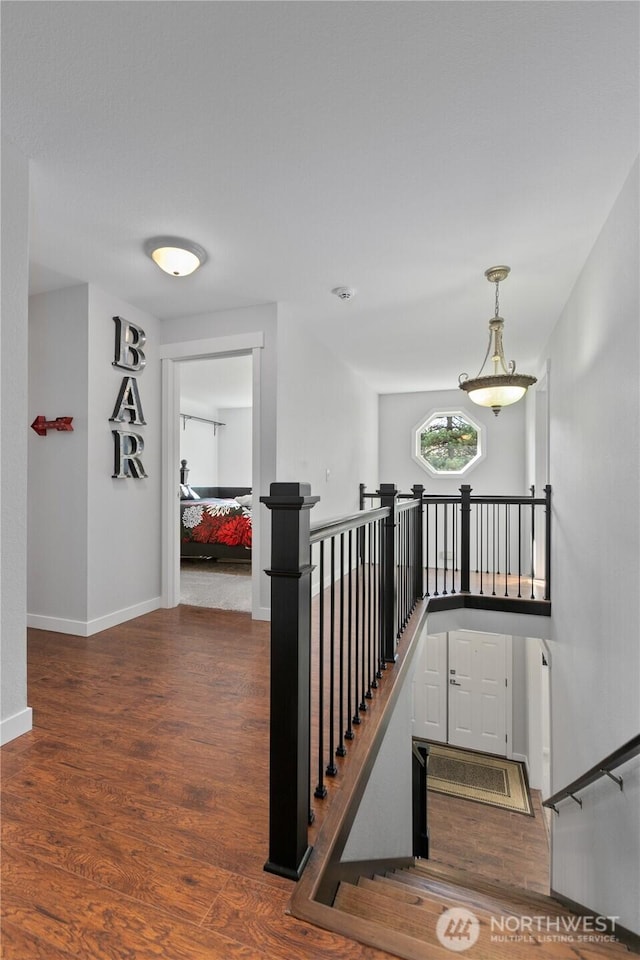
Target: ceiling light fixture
[
  {"x": 175, "y": 256},
  {"x": 499, "y": 389}
]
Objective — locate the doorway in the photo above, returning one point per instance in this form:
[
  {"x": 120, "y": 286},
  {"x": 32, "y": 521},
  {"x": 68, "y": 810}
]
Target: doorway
[
  {"x": 172, "y": 354},
  {"x": 462, "y": 691},
  {"x": 215, "y": 456}
]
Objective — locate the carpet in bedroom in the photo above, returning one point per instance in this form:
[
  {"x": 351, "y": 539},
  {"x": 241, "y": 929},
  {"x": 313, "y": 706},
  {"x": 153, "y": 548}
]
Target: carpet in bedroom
[{"x": 223, "y": 586}]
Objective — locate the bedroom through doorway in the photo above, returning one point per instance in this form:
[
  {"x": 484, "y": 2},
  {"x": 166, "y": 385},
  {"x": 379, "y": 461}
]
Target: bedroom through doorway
[{"x": 216, "y": 482}]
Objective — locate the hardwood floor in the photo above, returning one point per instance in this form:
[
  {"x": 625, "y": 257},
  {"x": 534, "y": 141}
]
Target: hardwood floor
[
  {"x": 497, "y": 844},
  {"x": 135, "y": 813}
]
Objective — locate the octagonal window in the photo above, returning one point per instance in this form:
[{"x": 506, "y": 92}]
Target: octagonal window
[{"x": 447, "y": 442}]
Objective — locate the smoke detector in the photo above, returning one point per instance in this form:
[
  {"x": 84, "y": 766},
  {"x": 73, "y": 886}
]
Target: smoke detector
[{"x": 344, "y": 293}]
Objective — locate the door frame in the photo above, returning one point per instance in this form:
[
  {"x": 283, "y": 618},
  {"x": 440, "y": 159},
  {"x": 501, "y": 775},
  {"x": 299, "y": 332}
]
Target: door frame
[{"x": 171, "y": 354}]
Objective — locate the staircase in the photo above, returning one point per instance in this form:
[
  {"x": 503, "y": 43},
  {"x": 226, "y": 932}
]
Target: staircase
[{"x": 507, "y": 921}]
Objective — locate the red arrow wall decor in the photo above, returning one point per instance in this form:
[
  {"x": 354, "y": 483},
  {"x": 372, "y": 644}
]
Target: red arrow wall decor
[{"x": 41, "y": 425}]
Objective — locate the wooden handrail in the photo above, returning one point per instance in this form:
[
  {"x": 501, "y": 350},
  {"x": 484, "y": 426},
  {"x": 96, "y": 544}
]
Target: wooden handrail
[
  {"x": 331, "y": 528},
  {"x": 615, "y": 759}
]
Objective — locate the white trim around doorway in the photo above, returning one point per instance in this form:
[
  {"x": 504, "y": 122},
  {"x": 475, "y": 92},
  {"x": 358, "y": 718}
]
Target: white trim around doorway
[{"x": 171, "y": 354}]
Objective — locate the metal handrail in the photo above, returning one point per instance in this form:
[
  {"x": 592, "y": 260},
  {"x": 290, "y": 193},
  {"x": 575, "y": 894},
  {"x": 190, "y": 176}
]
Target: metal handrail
[{"x": 615, "y": 759}]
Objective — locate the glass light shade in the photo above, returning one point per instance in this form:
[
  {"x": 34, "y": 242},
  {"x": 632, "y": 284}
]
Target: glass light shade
[
  {"x": 175, "y": 256},
  {"x": 496, "y": 396},
  {"x": 174, "y": 260},
  {"x": 497, "y": 391}
]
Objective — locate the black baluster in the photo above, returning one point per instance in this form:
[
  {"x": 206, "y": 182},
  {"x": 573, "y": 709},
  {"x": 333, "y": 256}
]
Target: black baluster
[
  {"x": 506, "y": 549},
  {"x": 341, "y": 750},
  {"x": 363, "y": 647},
  {"x": 435, "y": 592},
  {"x": 482, "y": 514},
  {"x": 493, "y": 547},
  {"x": 356, "y": 669},
  {"x": 321, "y": 790},
  {"x": 519, "y": 548},
  {"x": 428, "y": 549},
  {"x": 446, "y": 550},
  {"x": 331, "y": 769},
  {"x": 351, "y": 679}
]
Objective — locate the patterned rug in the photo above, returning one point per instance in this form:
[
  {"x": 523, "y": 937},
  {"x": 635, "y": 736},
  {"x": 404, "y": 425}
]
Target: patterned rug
[{"x": 477, "y": 776}]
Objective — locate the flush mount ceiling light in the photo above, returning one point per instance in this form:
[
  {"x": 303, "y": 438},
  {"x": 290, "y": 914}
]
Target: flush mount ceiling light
[
  {"x": 174, "y": 255},
  {"x": 504, "y": 385}
]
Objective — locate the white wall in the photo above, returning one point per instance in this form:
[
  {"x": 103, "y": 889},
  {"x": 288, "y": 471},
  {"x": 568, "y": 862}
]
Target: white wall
[
  {"x": 124, "y": 527},
  {"x": 383, "y": 825},
  {"x": 594, "y": 399},
  {"x": 14, "y": 713},
  {"x": 199, "y": 447},
  {"x": 105, "y": 530},
  {"x": 502, "y": 471},
  {"x": 234, "y": 447},
  {"x": 57, "y": 471},
  {"x": 327, "y": 421}
]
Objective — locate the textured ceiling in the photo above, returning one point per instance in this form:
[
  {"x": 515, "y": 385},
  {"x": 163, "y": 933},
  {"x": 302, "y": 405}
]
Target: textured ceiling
[{"x": 397, "y": 147}]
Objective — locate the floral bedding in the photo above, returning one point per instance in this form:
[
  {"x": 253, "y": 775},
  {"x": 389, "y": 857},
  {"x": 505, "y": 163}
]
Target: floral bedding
[{"x": 215, "y": 521}]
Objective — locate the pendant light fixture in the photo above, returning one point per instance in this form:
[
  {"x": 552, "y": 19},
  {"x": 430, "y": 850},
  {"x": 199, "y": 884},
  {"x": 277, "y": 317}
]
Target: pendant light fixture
[
  {"x": 175, "y": 256},
  {"x": 504, "y": 385}
]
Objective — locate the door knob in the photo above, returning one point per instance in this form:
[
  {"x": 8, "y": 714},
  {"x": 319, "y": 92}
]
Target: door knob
[{"x": 454, "y": 683}]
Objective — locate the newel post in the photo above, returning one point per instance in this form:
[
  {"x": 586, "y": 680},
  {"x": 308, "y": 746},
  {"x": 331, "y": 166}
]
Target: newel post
[
  {"x": 290, "y": 573},
  {"x": 418, "y": 559},
  {"x": 465, "y": 537},
  {"x": 388, "y": 494}
]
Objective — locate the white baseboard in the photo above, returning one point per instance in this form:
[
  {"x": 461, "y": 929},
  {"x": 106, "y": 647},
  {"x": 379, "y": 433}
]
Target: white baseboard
[
  {"x": 262, "y": 613},
  {"x": 521, "y": 758},
  {"x": 87, "y": 628},
  {"x": 16, "y": 725}
]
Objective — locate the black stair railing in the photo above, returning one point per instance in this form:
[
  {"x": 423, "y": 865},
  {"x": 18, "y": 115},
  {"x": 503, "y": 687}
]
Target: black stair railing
[
  {"x": 493, "y": 547},
  {"x": 605, "y": 768},
  {"x": 328, "y": 656}
]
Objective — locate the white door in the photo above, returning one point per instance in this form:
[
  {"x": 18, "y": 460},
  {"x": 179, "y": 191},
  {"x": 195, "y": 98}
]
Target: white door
[
  {"x": 477, "y": 691},
  {"x": 430, "y": 690}
]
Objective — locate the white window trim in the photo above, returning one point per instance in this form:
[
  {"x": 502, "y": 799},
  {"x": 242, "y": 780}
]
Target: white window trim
[{"x": 438, "y": 412}]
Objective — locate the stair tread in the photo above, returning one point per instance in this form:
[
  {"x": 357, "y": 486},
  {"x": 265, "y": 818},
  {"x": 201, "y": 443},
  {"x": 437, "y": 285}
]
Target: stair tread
[
  {"x": 419, "y": 921},
  {"x": 402, "y": 893},
  {"x": 382, "y": 910},
  {"x": 474, "y": 881},
  {"x": 452, "y": 897},
  {"x": 494, "y": 899},
  {"x": 419, "y": 924}
]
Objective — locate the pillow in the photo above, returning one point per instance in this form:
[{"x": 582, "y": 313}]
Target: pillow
[
  {"x": 184, "y": 492},
  {"x": 245, "y": 501},
  {"x": 192, "y": 494}
]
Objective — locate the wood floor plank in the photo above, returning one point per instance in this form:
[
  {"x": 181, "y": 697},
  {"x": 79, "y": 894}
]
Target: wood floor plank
[
  {"x": 151, "y": 873},
  {"x": 246, "y": 911},
  {"x": 90, "y": 921}
]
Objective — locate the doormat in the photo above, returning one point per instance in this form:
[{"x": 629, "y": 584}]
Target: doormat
[{"x": 479, "y": 777}]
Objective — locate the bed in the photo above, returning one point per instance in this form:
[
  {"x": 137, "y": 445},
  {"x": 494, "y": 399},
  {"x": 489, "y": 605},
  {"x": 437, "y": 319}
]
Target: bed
[{"x": 215, "y": 522}]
